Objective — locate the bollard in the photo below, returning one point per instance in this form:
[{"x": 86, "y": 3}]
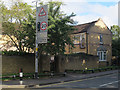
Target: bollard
[
  {"x": 51, "y": 74},
  {"x": 14, "y": 77},
  {"x": 64, "y": 74},
  {"x": 92, "y": 71},
  {"x": 21, "y": 74}
]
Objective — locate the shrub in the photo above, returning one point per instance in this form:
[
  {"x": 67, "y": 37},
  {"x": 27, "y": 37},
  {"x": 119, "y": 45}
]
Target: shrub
[{"x": 11, "y": 53}]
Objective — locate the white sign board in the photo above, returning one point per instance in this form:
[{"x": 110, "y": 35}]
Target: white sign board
[
  {"x": 42, "y": 19},
  {"x": 42, "y": 37}
]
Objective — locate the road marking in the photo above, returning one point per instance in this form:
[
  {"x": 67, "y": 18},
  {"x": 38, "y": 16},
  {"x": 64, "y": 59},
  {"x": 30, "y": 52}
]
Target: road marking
[
  {"x": 62, "y": 83},
  {"x": 109, "y": 83},
  {"x": 13, "y": 86},
  {"x": 71, "y": 81}
]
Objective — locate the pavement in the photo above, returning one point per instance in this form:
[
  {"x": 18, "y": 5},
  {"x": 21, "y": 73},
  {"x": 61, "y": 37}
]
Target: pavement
[{"x": 32, "y": 83}]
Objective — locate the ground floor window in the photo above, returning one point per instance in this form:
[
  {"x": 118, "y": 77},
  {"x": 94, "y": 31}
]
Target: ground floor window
[{"x": 102, "y": 55}]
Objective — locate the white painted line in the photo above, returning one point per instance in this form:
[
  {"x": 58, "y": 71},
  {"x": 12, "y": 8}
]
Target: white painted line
[
  {"x": 13, "y": 86},
  {"x": 109, "y": 83}
]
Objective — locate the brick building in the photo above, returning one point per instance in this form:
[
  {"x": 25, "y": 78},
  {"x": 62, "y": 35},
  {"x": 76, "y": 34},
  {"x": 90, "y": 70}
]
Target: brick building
[{"x": 93, "y": 38}]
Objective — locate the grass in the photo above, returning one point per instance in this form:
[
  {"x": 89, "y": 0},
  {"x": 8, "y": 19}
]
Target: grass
[
  {"x": 94, "y": 69},
  {"x": 26, "y": 76},
  {"x": 31, "y": 75}
]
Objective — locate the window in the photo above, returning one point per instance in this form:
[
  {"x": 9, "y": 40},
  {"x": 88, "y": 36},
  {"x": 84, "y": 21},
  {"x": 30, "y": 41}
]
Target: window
[
  {"x": 101, "y": 38},
  {"x": 76, "y": 39},
  {"x": 82, "y": 41},
  {"x": 70, "y": 49},
  {"x": 105, "y": 56},
  {"x": 102, "y": 55}
]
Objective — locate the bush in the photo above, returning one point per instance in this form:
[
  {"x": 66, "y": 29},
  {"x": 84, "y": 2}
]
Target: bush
[
  {"x": 94, "y": 69},
  {"x": 11, "y": 53}
]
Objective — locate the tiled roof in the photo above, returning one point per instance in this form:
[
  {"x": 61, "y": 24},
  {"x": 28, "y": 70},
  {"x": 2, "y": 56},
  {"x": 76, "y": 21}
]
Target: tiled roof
[{"x": 83, "y": 27}]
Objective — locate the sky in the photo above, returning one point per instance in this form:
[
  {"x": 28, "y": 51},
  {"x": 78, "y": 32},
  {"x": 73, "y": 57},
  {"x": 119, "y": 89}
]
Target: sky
[{"x": 88, "y": 10}]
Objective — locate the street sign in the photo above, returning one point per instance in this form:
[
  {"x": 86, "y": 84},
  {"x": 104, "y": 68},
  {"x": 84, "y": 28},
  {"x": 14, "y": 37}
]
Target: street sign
[
  {"x": 42, "y": 12},
  {"x": 42, "y": 24},
  {"x": 42, "y": 37}
]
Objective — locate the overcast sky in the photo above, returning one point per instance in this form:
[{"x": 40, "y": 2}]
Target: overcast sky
[{"x": 88, "y": 10}]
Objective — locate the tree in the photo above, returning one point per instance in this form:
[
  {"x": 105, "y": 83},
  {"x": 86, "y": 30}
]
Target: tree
[
  {"x": 29, "y": 26},
  {"x": 116, "y": 31},
  {"x": 4, "y": 12},
  {"x": 20, "y": 28},
  {"x": 59, "y": 30},
  {"x": 116, "y": 41},
  {"x": 19, "y": 25}
]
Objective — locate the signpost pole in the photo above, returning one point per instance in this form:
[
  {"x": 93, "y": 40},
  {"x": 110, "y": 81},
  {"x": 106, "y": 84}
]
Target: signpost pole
[
  {"x": 41, "y": 30},
  {"x": 36, "y": 53}
]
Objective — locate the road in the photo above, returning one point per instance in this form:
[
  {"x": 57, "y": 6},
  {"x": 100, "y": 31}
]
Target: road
[{"x": 108, "y": 81}]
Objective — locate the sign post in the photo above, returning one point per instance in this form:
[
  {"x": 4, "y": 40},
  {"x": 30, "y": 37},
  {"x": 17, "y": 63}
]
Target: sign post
[
  {"x": 41, "y": 30},
  {"x": 42, "y": 20}
]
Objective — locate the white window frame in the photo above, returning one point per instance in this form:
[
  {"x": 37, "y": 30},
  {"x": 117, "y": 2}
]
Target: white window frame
[{"x": 102, "y": 56}]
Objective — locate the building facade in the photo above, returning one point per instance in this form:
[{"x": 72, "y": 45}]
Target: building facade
[{"x": 93, "y": 38}]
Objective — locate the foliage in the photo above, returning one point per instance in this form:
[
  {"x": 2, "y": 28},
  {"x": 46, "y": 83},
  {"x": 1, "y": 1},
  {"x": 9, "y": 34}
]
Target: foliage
[
  {"x": 29, "y": 26},
  {"x": 94, "y": 70},
  {"x": 116, "y": 31},
  {"x": 116, "y": 40},
  {"x": 58, "y": 30},
  {"x": 116, "y": 47},
  {"x": 12, "y": 53},
  {"x": 3, "y": 11},
  {"x": 20, "y": 14},
  {"x": 20, "y": 26}
]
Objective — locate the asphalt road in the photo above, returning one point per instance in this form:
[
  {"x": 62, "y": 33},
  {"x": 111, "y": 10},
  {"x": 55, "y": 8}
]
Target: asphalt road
[{"x": 108, "y": 81}]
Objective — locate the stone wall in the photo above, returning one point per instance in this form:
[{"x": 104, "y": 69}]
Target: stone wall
[
  {"x": 60, "y": 63},
  {"x": 12, "y": 64},
  {"x": 44, "y": 63},
  {"x": 81, "y": 61},
  {"x": 103, "y": 64}
]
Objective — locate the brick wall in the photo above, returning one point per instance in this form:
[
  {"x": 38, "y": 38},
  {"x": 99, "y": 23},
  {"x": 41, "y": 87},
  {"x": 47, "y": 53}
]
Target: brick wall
[
  {"x": 81, "y": 61},
  {"x": 12, "y": 64}
]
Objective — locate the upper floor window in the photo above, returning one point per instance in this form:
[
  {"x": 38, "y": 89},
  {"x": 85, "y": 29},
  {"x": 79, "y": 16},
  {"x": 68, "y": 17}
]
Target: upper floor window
[
  {"x": 101, "y": 38},
  {"x": 82, "y": 44},
  {"x": 80, "y": 39},
  {"x": 76, "y": 39}
]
